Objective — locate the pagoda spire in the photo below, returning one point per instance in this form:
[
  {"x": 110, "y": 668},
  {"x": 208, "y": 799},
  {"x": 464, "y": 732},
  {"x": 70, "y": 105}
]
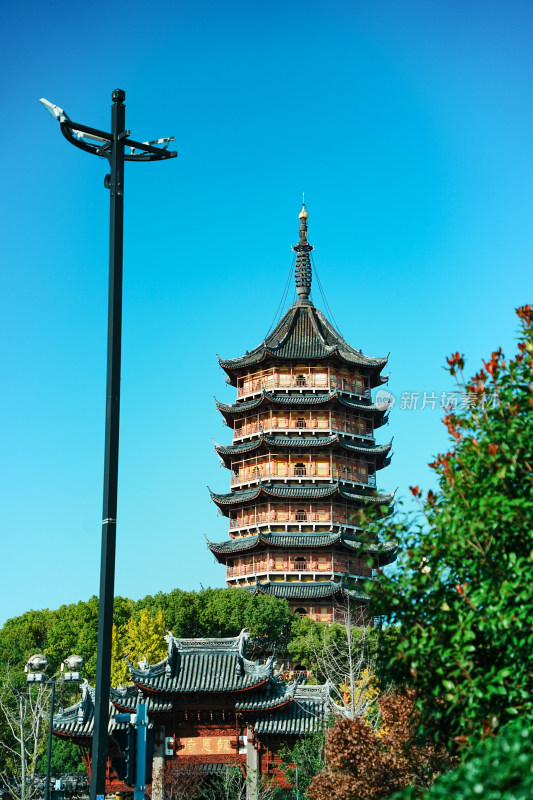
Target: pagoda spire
[{"x": 303, "y": 272}]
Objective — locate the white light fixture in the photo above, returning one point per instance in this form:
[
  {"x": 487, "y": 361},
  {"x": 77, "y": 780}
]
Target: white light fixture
[{"x": 55, "y": 111}]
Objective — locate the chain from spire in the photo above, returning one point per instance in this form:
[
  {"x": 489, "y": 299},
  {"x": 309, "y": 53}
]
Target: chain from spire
[{"x": 303, "y": 271}]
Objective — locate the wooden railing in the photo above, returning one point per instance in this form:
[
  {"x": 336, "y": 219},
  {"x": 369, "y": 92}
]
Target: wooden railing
[
  {"x": 339, "y": 567},
  {"x": 254, "y": 384},
  {"x": 269, "y": 471}
]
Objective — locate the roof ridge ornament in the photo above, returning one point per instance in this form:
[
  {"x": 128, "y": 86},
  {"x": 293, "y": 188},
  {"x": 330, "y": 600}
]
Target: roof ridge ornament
[{"x": 303, "y": 272}]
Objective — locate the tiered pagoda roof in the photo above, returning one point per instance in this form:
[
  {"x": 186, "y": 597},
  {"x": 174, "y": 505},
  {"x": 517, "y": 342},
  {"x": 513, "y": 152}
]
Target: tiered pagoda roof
[
  {"x": 383, "y": 553},
  {"x": 305, "y": 334},
  {"x": 298, "y": 491},
  {"x": 308, "y": 590},
  {"x": 302, "y": 399},
  {"x": 266, "y": 442}
]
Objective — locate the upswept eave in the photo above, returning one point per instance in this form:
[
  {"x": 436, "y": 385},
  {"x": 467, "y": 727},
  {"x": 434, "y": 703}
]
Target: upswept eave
[
  {"x": 384, "y": 553},
  {"x": 303, "y": 333},
  {"x": 311, "y": 590},
  {"x": 266, "y": 441},
  {"x": 298, "y": 492},
  {"x": 277, "y": 398},
  {"x": 202, "y": 665}
]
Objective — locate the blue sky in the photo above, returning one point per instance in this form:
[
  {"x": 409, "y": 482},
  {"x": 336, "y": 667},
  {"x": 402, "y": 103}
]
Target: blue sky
[{"x": 409, "y": 126}]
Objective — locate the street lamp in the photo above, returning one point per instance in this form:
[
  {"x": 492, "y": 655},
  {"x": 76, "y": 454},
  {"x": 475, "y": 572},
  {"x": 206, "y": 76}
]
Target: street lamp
[
  {"x": 35, "y": 670},
  {"x": 111, "y": 146}
]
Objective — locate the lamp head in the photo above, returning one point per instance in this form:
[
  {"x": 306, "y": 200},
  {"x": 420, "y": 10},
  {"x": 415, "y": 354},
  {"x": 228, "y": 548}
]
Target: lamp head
[{"x": 54, "y": 111}]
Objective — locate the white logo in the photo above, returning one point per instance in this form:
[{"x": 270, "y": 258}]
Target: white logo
[{"x": 384, "y": 400}]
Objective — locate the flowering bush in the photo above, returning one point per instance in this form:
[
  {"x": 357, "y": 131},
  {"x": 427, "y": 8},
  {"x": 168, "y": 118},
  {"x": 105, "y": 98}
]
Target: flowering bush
[{"x": 463, "y": 588}]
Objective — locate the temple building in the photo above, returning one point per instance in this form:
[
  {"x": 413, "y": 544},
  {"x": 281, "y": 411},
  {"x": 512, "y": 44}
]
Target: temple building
[
  {"x": 208, "y": 706},
  {"x": 303, "y": 461}
]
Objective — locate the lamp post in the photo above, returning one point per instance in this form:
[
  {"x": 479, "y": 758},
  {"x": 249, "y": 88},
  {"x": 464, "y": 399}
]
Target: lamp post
[
  {"x": 35, "y": 670},
  {"x": 111, "y": 146}
]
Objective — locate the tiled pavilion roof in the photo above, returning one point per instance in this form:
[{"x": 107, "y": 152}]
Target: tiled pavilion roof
[
  {"x": 306, "y": 714},
  {"x": 206, "y": 665},
  {"x": 202, "y": 665}
]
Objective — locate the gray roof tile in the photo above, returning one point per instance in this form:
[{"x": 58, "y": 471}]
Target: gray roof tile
[
  {"x": 298, "y": 492},
  {"x": 304, "y": 333}
]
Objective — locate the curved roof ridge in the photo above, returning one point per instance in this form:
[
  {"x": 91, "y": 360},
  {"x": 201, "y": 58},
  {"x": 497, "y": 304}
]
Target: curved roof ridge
[
  {"x": 293, "y": 311},
  {"x": 314, "y": 324}
]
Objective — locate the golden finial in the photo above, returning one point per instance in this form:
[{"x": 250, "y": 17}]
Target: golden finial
[{"x": 303, "y": 213}]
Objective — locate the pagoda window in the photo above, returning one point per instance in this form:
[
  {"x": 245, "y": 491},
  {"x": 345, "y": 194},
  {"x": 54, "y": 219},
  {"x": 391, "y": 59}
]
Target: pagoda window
[
  {"x": 301, "y": 611},
  {"x": 300, "y": 563},
  {"x": 301, "y": 515},
  {"x": 301, "y": 423},
  {"x": 322, "y": 469},
  {"x": 284, "y": 379},
  {"x": 301, "y": 380},
  {"x": 300, "y": 470}
]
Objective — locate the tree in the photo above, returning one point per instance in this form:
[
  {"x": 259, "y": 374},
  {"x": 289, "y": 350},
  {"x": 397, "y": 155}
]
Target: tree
[
  {"x": 141, "y": 637},
  {"x": 301, "y": 763},
  {"x": 24, "y": 711},
  {"x": 343, "y": 654},
  {"x": 365, "y": 764},
  {"x": 463, "y": 588},
  {"x": 498, "y": 768},
  {"x": 214, "y": 613}
]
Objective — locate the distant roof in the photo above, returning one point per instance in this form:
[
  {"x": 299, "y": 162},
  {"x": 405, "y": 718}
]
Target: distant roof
[{"x": 305, "y": 334}]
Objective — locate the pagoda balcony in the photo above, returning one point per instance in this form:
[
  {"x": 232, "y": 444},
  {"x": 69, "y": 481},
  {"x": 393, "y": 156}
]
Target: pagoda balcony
[
  {"x": 343, "y": 477},
  {"x": 248, "y": 474},
  {"x": 289, "y": 527},
  {"x": 301, "y": 518},
  {"x": 287, "y": 575},
  {"x": 309, "y": 380},
  {"x": 289, "y": 566},
  {"x": 301, "y": 422}
]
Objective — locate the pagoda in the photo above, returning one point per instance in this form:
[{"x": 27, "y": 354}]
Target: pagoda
[{"x": 303, "y": 461}]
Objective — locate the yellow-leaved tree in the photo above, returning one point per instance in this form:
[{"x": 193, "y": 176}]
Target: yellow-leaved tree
[{"x": 141, "y": 637}]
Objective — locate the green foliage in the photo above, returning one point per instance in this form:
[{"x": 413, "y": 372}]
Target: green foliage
[
  {"x": 220, "y": 612},
  {"x": 463, "y": 588},
  {"x": 66, "y": 757},
  {"x": 24, "y": 636},
  {"x": 308, "y": 756},
  {"x": 308, "y": 638},
  {"x": 498, "y": 768}
]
